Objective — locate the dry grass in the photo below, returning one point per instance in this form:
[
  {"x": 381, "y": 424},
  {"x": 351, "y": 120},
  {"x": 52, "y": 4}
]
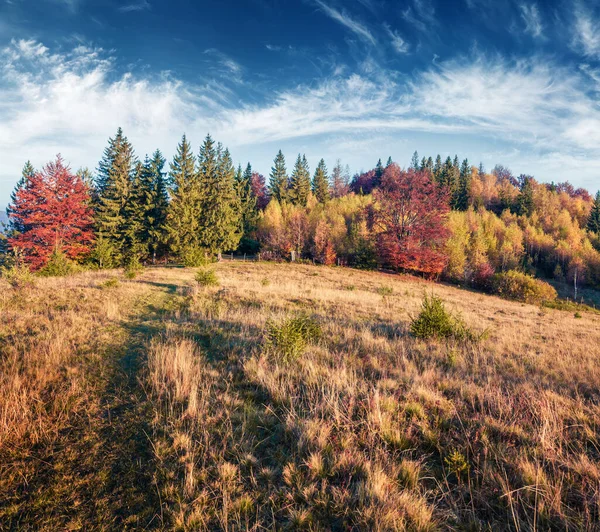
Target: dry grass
[{"x": 368, "y": 429}]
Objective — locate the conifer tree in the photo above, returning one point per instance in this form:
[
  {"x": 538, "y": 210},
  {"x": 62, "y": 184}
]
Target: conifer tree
[
  {"x": 524, "y": 201},
  {"x": 378, "y": 173},
  {"x": 220, "y": 209},
  {"x": 339, "y": 181},
  {"x": 449, "y": 176},
  {"x": 299, "y": 188},
  {"x": 116, "y": 172},
  {"x": 183, "y": 213},
  {"x": 320, "y": 184},
  {"x": 15, "y": 224},
  {"x": 414, "y": 162},
  {"x": 437, "y": 169},
  {"x": 248, "y": 208},
  {"x": 134, "y": 247},
  {"x": 481, "y": 171},
  {"x": 460, "y": 198},
  {"x": 389, "y": 162},
  {"x": 429, "y": 165},
  {"x": 593, "y": 223},
  {"x": 278, "y": 185},
  {"x": 156, "y": 203},
  {"x": 456, "y": 163}
]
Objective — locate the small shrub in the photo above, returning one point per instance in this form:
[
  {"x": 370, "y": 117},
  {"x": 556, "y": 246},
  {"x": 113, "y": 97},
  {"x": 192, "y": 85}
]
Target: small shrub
[
  {"x": 385, "y": 290},
  {"x": 133, "y": 269},
  {"x": 578, "y": 315},
  {"x": 59, "y": 265},
  {"x": 113, "y": 282},
  {"x": 522, "y": 287},
  {"x": 265, "y": 281},
  {"x": 18, "y": 275},
  {"x": 288, "y": 338},
  {"x": 350, "y": 287},
  {"x": 434, "y": 321},
  {"x": 457, "y": 463},
  {"x": 194, "y": 256},
  {"x": 207, "y": 277}
]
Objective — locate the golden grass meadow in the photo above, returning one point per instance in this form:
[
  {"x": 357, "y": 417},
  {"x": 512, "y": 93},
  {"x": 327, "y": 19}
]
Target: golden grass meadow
[{"x": 164, "y": 402}]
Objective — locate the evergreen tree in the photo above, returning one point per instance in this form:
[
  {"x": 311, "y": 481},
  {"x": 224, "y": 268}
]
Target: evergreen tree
[
  {"x": 449, "y": 176},
  {"x": 248, "y": 208},
  {"x": 389, "y": 162},
  {"x": 278, "y": 185},
  {"x": 16, "y": 225},
  {"x": 156, "y": 203},
  {"x": 116, "y": 173},
  {"x": 429, "y": 165},
  {"x": 414, "y": 162},
  {"x": 299, "y": 188},
  {"x": 593, "y": 223},
  {"x": 456, "y": 163},
  {"x": 481, "y": 171},
  {"x": 320, "y": 184},
  {"x": 378, "y": 173},
  {"x": 183, "y": 213},
  {"x": 460, "y": 199},
  {"x": 220, "y": 209},
  {"x": 524, "y": 201},
  {"x": 437, "y": 169},
  {"x": 134, "y": 247},
  {"x": 423, "y": 164}
]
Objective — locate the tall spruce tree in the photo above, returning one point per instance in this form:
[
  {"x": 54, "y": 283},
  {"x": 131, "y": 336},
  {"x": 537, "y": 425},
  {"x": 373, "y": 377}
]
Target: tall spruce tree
[
  {"x": 115, "y": 177},
  {"x": 449, "y": 176},
  {"x": 437, "y": 169},
  {"x": 299, "y": 188},
  {"x": 278, "y": 186},
  {"x": 414, "y": 162},
  {"x": 248, "y": 209},
  {"x": 156, "y": 203},
  {"x": 389, "y": 162},
  {"x": 15, "y": 226},
  {"x": 134, "y": 247},
  {"x": 220, "y": 209},
  {"x": 320, "y": 184},
  {"x": 460, "y": 199},
  {"x": 593, "y": 223},
  {"x": 524, "y": 201},
  {"x": 378, "y": 173},
  {"x": 183, "y": 214}
]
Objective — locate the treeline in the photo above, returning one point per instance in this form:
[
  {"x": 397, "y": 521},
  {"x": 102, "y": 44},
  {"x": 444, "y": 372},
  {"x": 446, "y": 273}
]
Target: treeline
[{"x": 438, "y": 217}]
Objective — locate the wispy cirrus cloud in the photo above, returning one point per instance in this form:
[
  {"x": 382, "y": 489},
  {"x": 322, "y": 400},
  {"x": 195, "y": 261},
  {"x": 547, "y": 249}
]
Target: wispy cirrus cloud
[
  {"x": 73, "y": 101},
  {"x": 356, "y": 27},
  {"x": 586, "y": 32},
  {"x": 530, "y": 14},
  {"x": 397, "y": 42},
  {"x": 142, "y": 5}
]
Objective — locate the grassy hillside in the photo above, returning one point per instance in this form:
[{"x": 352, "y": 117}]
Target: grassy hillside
[{"x": 157, "y": 403}]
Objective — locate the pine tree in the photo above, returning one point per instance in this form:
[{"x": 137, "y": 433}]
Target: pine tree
[
  {"x": 339, "y": 181},
  {"x": 423, "y": 164},
  {"x": 156, "y": 202},
  {"x": 278, "y": 185},
  {"x": 15, "y": 226},
  {"x": 449, "y": 176},
  {"x": 378, "y": 173},
  {"x": 134, "y": 248},
  {"x": 389, "y": 162},
  {"x": 116, "y": 172},
  {"x": 414, "y": 163},
  {"x": 456, "y": 163},
  {"x": 593, "y": 223},
  {"x": 429, "y": 166},
  {"x": 299, "y": 188},
  {"x": 220, "y": 209},
  {"x": 183, "y": 213},
  {"x": 320, "y": 184},
  {"x": 248, "y": 208},
  {"x": 437, "y": 169},
  {"x": 524, "y": 201},
  {"x": 481, "y": 170},
  {"x": 460, "y": 199}
]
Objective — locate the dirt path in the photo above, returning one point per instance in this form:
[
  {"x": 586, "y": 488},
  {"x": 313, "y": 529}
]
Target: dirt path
[{"x": 100, "y": 472}]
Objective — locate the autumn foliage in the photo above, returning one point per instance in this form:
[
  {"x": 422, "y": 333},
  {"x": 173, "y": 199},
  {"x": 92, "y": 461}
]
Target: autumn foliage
[
  {"x": 55, "y": 209},
  {"x": 409, "y": 219}
]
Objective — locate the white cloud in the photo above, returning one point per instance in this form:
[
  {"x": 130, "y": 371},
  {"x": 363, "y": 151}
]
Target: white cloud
[
  {"x": 533, "y": 22},
  {"x": 72, "y": 102},
  {"x": 398, "y": 43},
  {"x": 346, "y": 20},
  {"x": 586, "y": 32},
  {"x": 142, "y": 5}
]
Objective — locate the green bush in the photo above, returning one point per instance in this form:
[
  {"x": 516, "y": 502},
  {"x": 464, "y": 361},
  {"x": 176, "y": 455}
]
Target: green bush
[
  {"x": 522, "y": 287},
  {"x": 133, "y": 269},
  {"x": 434, "y": 321},
  {"x": 17, "y": 275},
  {"x": 385, "y": 291},
  {"x": 59, "y": 265},
  {"x": 288, "y": 338},
  {"x": 207, "y": 277},
  {"x": 193, "y": 257},
  {"x": 113, "y": 282}
]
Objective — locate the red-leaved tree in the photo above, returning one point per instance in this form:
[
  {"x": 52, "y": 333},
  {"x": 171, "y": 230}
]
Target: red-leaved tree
[
  {"x": 55, "y": 209},
  {"x": 409, "y": 222}
]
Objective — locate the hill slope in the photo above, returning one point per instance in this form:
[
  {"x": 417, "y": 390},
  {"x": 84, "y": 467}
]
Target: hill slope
[{"x": 155, "y": 403}]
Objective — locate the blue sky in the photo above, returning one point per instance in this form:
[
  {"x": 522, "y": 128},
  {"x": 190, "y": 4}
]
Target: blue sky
[{"x": 514, "y": 82}]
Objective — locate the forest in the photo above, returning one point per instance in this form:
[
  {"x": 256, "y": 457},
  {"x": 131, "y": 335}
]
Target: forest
[{"x": 442, "y": 219}]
